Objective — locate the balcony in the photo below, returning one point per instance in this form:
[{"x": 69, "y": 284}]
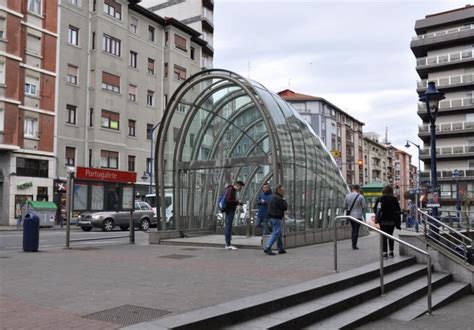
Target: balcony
[
  {"x": 451, "y": 153},
  {"x": 425, "y": 64},
  {"x": 448, "y": 106},
  {"x": 449, "y": 129},
  {"x": 441, "y": 39},
  {"x": 448, "y": 175},
  {"x": 449, "y": 82}
]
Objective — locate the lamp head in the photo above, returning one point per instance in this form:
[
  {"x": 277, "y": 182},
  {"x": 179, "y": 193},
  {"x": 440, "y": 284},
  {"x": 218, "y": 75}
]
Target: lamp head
[
  {"x": 144, "y": 176},
  {"x": 407, "y": 145}
]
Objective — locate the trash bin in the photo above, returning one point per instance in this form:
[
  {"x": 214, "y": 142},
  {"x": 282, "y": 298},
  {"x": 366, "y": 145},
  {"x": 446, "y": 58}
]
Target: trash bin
[{"x": 30, "y": 232}]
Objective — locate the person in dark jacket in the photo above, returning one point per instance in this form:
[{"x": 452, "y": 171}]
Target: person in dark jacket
[
  {"x": 276, "y": 211},
  {"x": 390, "y": 217},
  {"x": 231, "y": 205},
  {"x": 262, "y": 201}
]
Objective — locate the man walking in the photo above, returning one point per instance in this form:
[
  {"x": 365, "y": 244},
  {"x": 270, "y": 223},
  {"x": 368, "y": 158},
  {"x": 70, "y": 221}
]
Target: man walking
[
  {"x": 355, "y": 204},
  {"x": 276, "y": 211},
  {"x": 231, "y": 203},
  {"x": 262, "y": 202}
]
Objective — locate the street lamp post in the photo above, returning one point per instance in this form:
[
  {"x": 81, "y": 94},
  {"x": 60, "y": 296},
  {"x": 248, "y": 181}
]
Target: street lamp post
[
  {"x": 431, "y": 98},
  {"x": 456, "y": 176}
]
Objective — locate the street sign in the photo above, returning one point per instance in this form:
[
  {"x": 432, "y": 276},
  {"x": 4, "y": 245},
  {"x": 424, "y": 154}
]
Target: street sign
[{"x": 100, "y": 174}]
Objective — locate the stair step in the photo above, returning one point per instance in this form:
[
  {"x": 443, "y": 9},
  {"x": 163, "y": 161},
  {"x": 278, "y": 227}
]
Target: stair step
[
  {"x": 306, "y": 313},
  {"x": 440, "y": 297},
  {"x": 381, "y": 306}
]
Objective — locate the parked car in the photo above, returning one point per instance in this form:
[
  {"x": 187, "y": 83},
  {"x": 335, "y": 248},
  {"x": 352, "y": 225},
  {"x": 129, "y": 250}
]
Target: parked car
[{"x": 107, "y": 220}]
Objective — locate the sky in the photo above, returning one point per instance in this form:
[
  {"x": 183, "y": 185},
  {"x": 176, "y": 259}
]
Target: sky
[{"x": 355, "y": 54}]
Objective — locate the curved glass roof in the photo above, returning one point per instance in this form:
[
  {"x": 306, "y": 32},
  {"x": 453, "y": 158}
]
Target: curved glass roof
[{"x": 220, "y": 127}]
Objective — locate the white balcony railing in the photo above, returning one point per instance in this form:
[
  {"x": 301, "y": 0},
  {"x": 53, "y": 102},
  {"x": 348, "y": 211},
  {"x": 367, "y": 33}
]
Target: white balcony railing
[
  {"x": 444, "y": 58},
  {"x": 451, "y": 103},
  {"x": 208, "y": 14},
  {"x": 449, "y": 127},
  {"x": 447, "y": 151},
  {"x": 447, "y": 81},
  {"x": 444, "y": 32}
]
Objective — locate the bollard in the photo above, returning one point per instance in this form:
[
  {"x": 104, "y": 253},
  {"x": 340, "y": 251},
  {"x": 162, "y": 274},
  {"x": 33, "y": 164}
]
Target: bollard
[{"x": 30, "y": 232}]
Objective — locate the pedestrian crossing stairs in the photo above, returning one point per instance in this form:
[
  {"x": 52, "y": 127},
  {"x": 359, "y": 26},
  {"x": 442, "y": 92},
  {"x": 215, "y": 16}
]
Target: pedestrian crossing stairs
[{"x": 342, "y": 300}]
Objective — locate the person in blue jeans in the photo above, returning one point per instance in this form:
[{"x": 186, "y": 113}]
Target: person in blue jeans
[
  {"x": 276, "y": 211},
  {"x": 262, "y": 202},
  {"x": 231, "y": 205}
]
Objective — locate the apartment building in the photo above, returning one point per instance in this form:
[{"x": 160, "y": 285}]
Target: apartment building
[
  {"x": 28, "y": 38},
  {"x": 119, "y": 65},
  {"x": 378, "y": 160},
  {"x": 341, "y": 132},
  {"x": 443, "y": 47},
  {"x": 403, "y": 180},
  {"x": 197, "y": 14}
]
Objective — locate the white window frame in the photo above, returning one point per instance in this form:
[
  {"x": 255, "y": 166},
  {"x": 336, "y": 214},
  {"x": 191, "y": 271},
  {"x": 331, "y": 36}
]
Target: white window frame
[
  {"x": 2, "y": 73},
  {"x": 30, "y": 127},
  {"x": 134, "y": 23},
  {"x": 3, "y": 21},
  {"x": 71, "y": 114},
  {"x": 111, "y": 45},
  {"x": 132, "y": 96},
  {"x": 73, "y": 35},
  {"x": 76, "y": 3},
  {"x": 151, "y": 33},
  {"x": 31, "y": 86},
  {"x": 67, "y": 162},
  {"x": 150, "y": 98},
  {"x": 110, "y": 10},
  {"x": 133, "y": 60},
  {"x": 70, "y": 78},
  {"x": 2, "y": 119},
  {"x": 34, "y": 6},
  {"x": 36, "y": 42}
]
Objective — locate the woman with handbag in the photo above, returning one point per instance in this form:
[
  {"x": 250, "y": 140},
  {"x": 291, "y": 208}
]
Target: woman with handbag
[{"x": 387, "y": 215}]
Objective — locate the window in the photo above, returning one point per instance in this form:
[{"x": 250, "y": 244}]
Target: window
[
  {"x": 148, "y": 165},
  {"x": 110, "y": 82},
  {"x": 2, "y": 120},
  {"x": 150, "y": 98},
  {"x": 113, "y": 9},
  {"x": 181, "y": 108},
  {"x": 30, "y": 128},
  {"x": 149, "y": 131},
  {"x": 166, "y": 38},
  {"x": 180, "y": 42},
  {"x": 179, "y": 73},
  {"x": 151, "y": 66},
  {"x": 73, "y": 35},
  {"x": 34, "y": 6},
  {"x": 31, "y": 86},
  {"x": 70, "y": 156},
  {"x": 165, "y": 70},
  {"x": 110, "y": 120},
  {"x": 134, "y": 25},
  {"x": 133, "y": 59},
  {"x": 151, "y": 33},
  {"x": 2, "y": 28},
  {"x": 33, "y": 44},
  {"x": 90, "y": 157},
  {"x": 111, "y": 45},
  {"x": 192, "y": 53},
  {"x": 132, "y": 93},
  {"x": 131, "y": 163},
  {"x": 31, "y": 167},
  {"x": 75, "y": 2},
  {"x": 93, "y": 40},
  {"x": 109, "y": 159},
  {"x": 42, "y": 194},
  {"x": 71, "y": 114},
  {"x": 72, "y": 74},
  {"x": 91, "y": 117},
  {"x": 94, "y": 5},
  {"x": 131, "y": 127},
  {"x": 2, "y": 73}
]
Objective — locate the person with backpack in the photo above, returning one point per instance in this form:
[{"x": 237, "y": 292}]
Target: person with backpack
[
  {"x": 276, "y": 212},
  {"x": 355, "y": 204},
  {"x": 262, "y": 214},
  {"x": 388, "y": 217},
  {"x": 228, "y": 206}
]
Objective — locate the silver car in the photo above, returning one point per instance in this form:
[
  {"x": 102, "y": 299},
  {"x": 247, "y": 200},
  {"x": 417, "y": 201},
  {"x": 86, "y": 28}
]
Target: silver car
[{"x": 107, "y": 220}]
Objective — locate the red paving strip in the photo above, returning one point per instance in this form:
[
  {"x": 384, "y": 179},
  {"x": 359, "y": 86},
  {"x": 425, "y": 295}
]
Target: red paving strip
[{"x": 16, "y": 313}]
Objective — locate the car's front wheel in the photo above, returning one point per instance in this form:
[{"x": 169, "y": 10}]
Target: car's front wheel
[
  {"x": 145, "y": 224},
  {"x": 86, "y": 228},
  {"x": 107, "y": 225}
]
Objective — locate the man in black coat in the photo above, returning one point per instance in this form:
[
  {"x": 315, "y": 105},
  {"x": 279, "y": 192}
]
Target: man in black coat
[{"x": 276, "y": 211}]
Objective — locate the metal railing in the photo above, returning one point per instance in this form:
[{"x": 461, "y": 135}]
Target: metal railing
[
  {"x": 444, "y": 58},
  {"x": 444, "y": 32},
  {"x": 445, "y": 236},
  {"x": 463, "y": 218},
  {"x": 382, "y": 290}
]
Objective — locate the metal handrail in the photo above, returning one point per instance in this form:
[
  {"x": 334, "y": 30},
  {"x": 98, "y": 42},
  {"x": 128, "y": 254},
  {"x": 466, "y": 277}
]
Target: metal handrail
[
  {"x": 434, "y": 235},
  {"x": 382, "y": 290}
]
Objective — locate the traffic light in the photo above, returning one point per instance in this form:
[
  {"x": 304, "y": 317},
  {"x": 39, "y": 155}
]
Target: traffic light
[{"x": 360, "y": 162}]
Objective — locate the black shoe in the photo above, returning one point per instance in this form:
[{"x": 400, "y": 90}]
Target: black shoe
[
  {"x": 282, "y": 251},
  {"x": 355, "y": 248},
  {"x": 391, "y": 255},
  {"x": 385, "y": 255},
  {"x": 269, "y": 252}
]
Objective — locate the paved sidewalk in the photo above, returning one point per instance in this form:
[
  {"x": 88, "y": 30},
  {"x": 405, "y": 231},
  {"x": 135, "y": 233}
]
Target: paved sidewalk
[{"x": 55, "y": 289}]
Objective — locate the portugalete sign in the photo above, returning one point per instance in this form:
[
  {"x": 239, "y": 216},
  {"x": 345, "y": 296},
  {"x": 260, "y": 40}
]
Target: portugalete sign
[
  {"x": 25, "y": 185},
  {"x": 99, "y": 174}
]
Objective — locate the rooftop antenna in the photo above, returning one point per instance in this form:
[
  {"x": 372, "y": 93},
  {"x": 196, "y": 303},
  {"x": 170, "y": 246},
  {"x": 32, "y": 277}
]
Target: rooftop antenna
[
  {"x": 248, "y": 63},
  {"x": 289, "y": 83},
  {"x": 386, "y": 135}
]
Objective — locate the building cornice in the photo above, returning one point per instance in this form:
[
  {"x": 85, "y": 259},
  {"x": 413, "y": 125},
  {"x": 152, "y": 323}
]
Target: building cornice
[
  {"x": 13, "y": 57},
  {"x": 44, "y": 112},
  {"x": 8, "y": 10},
  {"x": 2, "y": 99},
  {"x": 39, "y": 29},
  {"x": 26, "y": 66}
]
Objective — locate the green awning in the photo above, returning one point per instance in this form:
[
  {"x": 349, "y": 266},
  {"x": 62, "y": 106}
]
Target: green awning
[{"x": 42, "y": 205}]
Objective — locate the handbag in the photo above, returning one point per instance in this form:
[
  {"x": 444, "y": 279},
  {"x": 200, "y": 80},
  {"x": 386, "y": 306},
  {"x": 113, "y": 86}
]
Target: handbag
[
  {"x": 348, "y": 212},
  {"x": 379, "y": 212}
]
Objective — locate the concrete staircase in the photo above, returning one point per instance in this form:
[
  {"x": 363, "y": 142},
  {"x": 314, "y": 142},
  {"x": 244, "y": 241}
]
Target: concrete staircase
[{"x": 342, "y": 300}]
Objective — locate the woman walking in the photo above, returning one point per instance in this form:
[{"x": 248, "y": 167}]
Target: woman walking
[{"x": 389, "y": 219}]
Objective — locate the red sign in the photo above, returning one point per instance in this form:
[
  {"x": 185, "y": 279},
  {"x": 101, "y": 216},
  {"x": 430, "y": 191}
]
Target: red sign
[{"x": 99, "y": 174}]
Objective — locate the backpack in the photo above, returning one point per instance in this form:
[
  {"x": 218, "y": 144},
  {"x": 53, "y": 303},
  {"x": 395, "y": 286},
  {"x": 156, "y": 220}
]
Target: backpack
[{"x": 222, "y": 202}]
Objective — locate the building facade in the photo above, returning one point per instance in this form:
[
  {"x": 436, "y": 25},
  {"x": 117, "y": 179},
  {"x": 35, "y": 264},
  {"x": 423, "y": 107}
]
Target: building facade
[
  {"x": 340, "y": 132},
  {"x": 119, "y": 65},
  {"x": 197, "y": 14},
  {"x": 378, "y": 160},
  {"x": 403, "y": 175},
  {"x": 444, "y": 53},
  {"x": 28, "y": 39}
]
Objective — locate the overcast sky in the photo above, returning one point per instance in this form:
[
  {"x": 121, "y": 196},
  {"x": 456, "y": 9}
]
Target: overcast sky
[{"x": 355, "y": 54}]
